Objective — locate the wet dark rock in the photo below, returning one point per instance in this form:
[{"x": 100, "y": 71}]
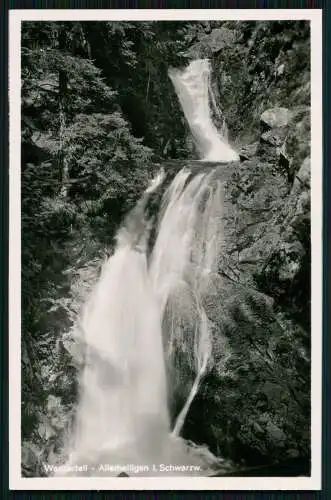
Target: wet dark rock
[{"x": 302, "y": 178}]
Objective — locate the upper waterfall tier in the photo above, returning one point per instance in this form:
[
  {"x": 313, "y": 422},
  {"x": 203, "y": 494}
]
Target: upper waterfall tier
[{"x": 192, "y": 86}]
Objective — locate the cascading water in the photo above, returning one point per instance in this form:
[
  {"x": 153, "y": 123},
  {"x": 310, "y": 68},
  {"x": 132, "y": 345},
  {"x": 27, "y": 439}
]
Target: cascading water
[
  {"x": 193, "y": 89},
  {"x": 147, "y": 315}
]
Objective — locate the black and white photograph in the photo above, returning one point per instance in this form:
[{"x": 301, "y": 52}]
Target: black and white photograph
[{"x": 165, "y": 250}]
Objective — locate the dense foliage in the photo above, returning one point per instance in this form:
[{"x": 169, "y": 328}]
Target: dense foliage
[{"x": 98, "y": 114}]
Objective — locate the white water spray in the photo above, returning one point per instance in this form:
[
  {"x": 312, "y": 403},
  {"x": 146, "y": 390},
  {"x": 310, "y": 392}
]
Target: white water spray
[
  {"x": 120, "y": 400},
  {"x": 193, "y": 89}
]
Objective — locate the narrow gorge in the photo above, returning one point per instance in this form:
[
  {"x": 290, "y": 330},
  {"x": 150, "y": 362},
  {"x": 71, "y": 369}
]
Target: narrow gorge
[{"x": 173, "y": 302}]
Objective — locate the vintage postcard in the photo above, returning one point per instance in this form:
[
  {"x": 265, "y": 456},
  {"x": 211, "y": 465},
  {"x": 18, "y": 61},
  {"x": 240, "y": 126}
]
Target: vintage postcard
[{"x": 165, "y": 287}]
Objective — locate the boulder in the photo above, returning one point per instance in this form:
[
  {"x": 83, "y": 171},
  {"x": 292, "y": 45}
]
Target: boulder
[{"x": 275, "y": 117}]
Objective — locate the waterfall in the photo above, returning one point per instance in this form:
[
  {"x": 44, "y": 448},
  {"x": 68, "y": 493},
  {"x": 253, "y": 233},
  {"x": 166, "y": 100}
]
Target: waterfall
[
  {"x": 145, "y": 321},
  {"x": 123, "y": 383},
  {"x": 193, "y": 90}
]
